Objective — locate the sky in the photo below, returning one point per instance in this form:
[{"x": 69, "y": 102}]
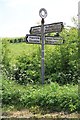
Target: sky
[{"x": 17, "y": 16}]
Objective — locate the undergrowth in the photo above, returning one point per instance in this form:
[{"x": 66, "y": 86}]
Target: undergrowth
[{"x": 52, "y": 97}]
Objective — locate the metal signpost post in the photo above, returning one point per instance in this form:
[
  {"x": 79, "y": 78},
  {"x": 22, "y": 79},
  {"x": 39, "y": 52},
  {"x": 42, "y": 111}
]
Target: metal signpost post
[
  {"x": 42, "y": 38},
  {"x": 43, "y": 14},
  {"x": 37, "y": 36}
]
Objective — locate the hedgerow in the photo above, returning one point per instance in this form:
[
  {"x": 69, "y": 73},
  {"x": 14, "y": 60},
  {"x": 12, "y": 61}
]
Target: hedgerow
[{"x": 22, "y": 62}]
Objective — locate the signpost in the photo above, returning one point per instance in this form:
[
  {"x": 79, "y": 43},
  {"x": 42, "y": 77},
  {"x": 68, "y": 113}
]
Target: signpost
[
  {"x": 37, "y": 36},
  {"x": 43, "y": 39}
]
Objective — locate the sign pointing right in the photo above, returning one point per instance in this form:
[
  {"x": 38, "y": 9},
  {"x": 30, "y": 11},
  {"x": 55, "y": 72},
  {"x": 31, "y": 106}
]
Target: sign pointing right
[
  {"x": 48, "y": 28},
  {"x": 53, "y": 40}
]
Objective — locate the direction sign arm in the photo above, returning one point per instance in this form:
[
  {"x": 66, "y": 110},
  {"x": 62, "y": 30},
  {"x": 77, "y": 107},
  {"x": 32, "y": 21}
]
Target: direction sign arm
[
  {"x": 26, "y": 38},
  {"x": 30, "y": 31}
]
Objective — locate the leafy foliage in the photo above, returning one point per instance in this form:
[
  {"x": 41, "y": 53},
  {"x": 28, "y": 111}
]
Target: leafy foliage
[
  {"x": 50, "y": 97},
  {"x": 22, "y": 62}
]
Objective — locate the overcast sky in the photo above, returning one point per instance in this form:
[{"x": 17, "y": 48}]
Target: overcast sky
[{"x": 17, "y": 16}]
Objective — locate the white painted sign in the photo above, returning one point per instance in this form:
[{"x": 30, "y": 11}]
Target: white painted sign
[
  {"x": 48, "y": 28},
  {"x": 33, "y": 39},
  {"x": 53, "y": 40},
  {"x": 55, "y": 27}
]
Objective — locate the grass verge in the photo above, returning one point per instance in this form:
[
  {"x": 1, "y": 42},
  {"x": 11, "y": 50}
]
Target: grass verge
[{"x": 47, "y": 98}]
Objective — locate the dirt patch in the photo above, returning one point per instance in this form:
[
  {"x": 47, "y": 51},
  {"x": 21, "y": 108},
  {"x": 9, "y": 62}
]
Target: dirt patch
[
  {"x": 17, "y": 114},
  {"x": 28, "y": 114}
]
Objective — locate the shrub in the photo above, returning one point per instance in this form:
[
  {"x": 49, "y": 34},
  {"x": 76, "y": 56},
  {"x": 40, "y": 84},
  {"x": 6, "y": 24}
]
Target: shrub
[
  {"x": 61, "y": 62},
  {"x": 50, "y": 97}
]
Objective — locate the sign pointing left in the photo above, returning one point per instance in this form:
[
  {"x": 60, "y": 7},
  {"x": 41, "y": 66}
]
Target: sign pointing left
[{"x": 34, "y": 39}]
